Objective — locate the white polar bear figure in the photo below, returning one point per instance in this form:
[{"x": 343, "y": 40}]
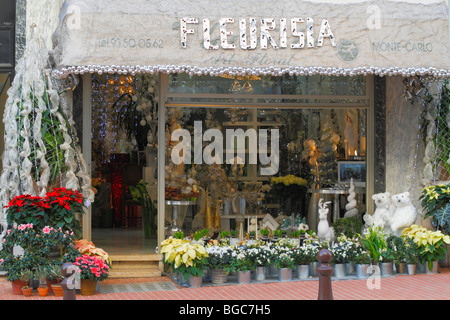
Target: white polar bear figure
[
  {"x": 383, "y": 212},
  {"x": 405, "y": 213}
]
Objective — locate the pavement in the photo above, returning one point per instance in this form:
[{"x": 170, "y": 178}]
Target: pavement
[{"x": 397, "y": 287}]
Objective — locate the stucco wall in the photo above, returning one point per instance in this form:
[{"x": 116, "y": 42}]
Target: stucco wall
[
  {"x": 404, "y": 148},
  {"x": 45, "y": 15}
]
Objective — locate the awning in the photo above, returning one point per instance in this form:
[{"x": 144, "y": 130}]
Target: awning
[{"x": 346, "y": 37}]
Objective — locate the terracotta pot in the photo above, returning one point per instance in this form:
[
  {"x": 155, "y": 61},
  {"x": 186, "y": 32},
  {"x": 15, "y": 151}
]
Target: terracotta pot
[
  {"x": 88, "y": 287},
  {"x": 42, "y": 291},
  {"x": 27, "y": 291},
  {"x": 57, "y": 290},
  {"x": 17, "y": 286},
  {"x": 49, "y": 285}
]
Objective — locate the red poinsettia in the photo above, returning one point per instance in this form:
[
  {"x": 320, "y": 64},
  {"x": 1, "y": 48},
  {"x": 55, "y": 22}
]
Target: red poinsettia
[{"x": 57, "y": 209}]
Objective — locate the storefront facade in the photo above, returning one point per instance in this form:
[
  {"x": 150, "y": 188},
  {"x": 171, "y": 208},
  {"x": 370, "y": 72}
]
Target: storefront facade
[{"x": 303, "y": 61}]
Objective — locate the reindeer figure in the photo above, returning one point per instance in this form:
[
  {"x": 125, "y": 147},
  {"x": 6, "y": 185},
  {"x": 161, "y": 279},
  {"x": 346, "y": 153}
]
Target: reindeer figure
[{"x": 324, "y": 231}]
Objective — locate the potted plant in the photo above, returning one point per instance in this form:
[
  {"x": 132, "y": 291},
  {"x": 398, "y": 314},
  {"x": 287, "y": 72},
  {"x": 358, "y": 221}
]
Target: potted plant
[
  {"x": 386, "y": 260},
  {"x": 435, "y": 202},
  {"x": 140, "y": 194},
  {"x": 242, "y": 263},
  {"x": 252, "y": 235},
  {"x": 362, "y": 262},
  {"x": 397, "y": 245},
  {"x": 261, "y": 256},
  {"x": 373, "y": 240},
  {"x": 277, "y": 234},
  {"x": 41, "y": 274},
  {"x": 302, "y": 257},
  {"x": 285, "y": 263},
  {"x": 92, "y": 270},
  {"x": 411, "y": 256},
  {"x": 186, "y": 258},
  {"x": 432, "y": 245},
  {"x": 54, "y": 273},
  {"x": 265, "y": 233},
  {"x": 26, "y": 276},
  {"x": 220, "y": 262},
  {"x": 340, "y": 256}
]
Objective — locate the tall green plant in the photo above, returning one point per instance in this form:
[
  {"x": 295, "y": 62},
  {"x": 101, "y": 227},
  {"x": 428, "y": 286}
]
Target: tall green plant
[
  {"x": 149, "y": 210},
  {"x": 373, "y": 240}
]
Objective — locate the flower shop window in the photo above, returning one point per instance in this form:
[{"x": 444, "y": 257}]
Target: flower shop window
[{"x": 307, "y": 145}]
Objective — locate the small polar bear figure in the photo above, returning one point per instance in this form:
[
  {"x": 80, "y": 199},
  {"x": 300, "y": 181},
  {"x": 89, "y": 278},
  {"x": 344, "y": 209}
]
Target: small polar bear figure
[
  {"x": 405, "y": 213},
  {"x": 383, "y": 212}
]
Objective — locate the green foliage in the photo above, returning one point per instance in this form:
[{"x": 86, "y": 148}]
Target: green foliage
[
  {"x": 179, "y": 235},
  {"x": 412, "y": 251},
  {"x": 38, "y": 247},
  {"x": 374, "y": 242},
  {"x": 350, "y": 226},
  {"x": 265, "y": 232}
]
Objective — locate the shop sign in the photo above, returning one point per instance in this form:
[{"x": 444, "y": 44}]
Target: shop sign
[{"x": 264, "y": 29}]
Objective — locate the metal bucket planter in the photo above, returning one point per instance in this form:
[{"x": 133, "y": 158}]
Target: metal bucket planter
[
  {"x": 411, "y": 268},
  {"x": 434, "y": 270},
  {"x": 244, "y": 277},
  {"x": 219, "y": 276},
  {"x": 401, "y": 267},
  {"x": 349, "y": 268},
  {"x": 273, "y": 270},
  {"x": 361, "y": 270},
  {"x": 260, "y": 273},
  {"x": 303, "y": 271},
  {"x": 313, "y": 269},
  {"x": 195, "y": 282},
  {"x": 285, "y": 274},
  {"x": 339, "y": 270},
  {"x": 387, "y": 268}
]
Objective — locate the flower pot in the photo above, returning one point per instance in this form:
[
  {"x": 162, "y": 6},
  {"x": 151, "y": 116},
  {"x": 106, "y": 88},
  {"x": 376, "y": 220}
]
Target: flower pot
[
  {"x": 433, "y": 270},
  {"x": 42, "y": 291},
  {"x": 218, "y": 276},
  {"x": 285, "y": 274},
  {"x": 411, "y": 268},
  {"x": 401, "y": 267},
  {"x": 195, "y": 282},
  {"x": 387, "y": 268},
  {"x": 57, "y": 290},
  {"x": 244, "y": 277},
  {"x": 313, "y": 268},
  {"x": 17, "y": 286},
  {"x": 27, "y": 291},
  {"x": 349, "y": 268},
  {"x": 49, "y": 285},
  {"x": 303, "y": 271},
  {"x": 339, "y": 270},
  {"x": 361, "y": 270},
  {"x": 273, "y": 271},
  {"x": 260, "y": 273},
  {"x": 88, "y": 287}
]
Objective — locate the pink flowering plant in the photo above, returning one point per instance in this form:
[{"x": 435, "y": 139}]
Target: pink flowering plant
[
  {"x": 37, "y": 247},
  {"x": 92, "y": 267}
]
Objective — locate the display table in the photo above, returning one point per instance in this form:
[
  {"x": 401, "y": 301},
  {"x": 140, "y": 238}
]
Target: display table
[
  {"x": 176, "y": 204},
  {"x": 335, "y": 194}
]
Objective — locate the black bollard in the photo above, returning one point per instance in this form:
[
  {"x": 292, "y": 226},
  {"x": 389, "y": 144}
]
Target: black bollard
[
  {"x": 325, "y": 270},
  {"x": 68, "y": 284}
]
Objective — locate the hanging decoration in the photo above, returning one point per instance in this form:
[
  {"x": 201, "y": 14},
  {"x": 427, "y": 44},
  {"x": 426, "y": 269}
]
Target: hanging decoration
[{"x": 40, "y": 139}]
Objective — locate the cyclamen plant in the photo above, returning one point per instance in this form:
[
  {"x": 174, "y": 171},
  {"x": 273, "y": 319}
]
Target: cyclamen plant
[{"x": 91, "y": 267}]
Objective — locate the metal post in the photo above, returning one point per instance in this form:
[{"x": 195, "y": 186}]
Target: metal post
[
  {"x": 325, "y": 270},
  {"x": 68, "y": 284}
]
